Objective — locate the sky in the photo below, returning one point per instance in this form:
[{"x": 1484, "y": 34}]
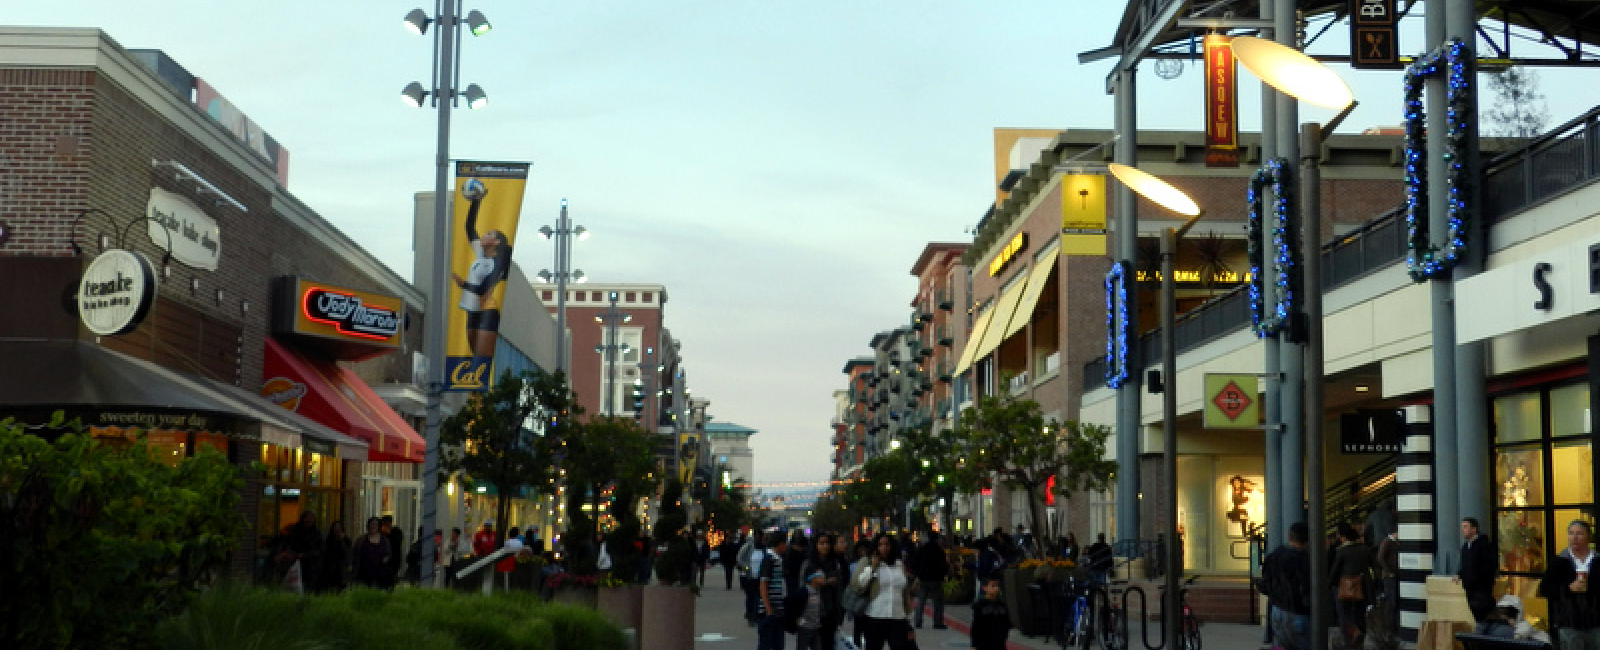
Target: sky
[{"x": 777, "y": 164}]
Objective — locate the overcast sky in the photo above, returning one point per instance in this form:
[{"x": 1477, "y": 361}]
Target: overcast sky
[{"x": 777, "y": 164}]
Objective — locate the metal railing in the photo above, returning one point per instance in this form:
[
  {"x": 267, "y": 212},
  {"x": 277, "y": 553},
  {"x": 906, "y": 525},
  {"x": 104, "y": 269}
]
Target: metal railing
[{"x": 1563, "y": 158}]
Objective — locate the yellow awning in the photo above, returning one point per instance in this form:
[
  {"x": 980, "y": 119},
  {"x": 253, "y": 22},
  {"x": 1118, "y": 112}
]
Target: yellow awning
[
  {"x": 971, "y": 345},
  {"x": 1003, "y": 309},
  {"x": 1036, "y": 281}
]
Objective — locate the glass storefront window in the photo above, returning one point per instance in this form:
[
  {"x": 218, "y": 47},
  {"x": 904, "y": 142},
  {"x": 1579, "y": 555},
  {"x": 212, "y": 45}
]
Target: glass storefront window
[
  {"x": 1516, "y": 417},
  {"x": 1573, "y": 465},
  {"x": 1521, "y": 537},
  {"x": 1569, "y": 410},
  {"x": 1520, "y": 474}
]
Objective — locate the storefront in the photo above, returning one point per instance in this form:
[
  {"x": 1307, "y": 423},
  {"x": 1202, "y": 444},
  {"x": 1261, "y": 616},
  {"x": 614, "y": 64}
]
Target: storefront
[{"x": 315, "y": 326}]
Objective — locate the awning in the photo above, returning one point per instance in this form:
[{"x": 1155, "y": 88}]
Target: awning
[
  {"x": 102, "y": 387},
  {"x": 971, "y": 344},
  {"x": 323, "y": 391},
  {"x": 1003, "y": 309},
  {"x": 1030, "y": 297}
]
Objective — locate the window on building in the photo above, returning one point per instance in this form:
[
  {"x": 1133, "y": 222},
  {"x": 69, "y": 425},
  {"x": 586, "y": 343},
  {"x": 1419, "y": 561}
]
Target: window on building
[
  {"x": 647, "y": 296},
  {"x": 629, "y": 297},
  {"x": 547, "y": 295},
  {"x": 1543, "y": 480},
  {"x": 595, "y": 296}
]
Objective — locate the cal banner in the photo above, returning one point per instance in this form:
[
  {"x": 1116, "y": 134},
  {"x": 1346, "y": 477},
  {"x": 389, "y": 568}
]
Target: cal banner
[{"x": 488, "y": 201}]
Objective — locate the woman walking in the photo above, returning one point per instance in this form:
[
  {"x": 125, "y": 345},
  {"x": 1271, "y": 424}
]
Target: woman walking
[
  {"x": 824, "y": 560},
  {"x": 884, "y": 581},
  {"x": 1352, "y": 583},
  {"x": 371, "y": 556},
  {"x": 335, "y": 559}
]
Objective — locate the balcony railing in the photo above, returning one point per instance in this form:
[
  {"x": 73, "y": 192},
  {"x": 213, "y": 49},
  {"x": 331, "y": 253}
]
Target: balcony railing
[
  {"x": 1017, "y": 383},
  {"x": 1566, "y": 157},
  {"x": 945, "y": 299}
]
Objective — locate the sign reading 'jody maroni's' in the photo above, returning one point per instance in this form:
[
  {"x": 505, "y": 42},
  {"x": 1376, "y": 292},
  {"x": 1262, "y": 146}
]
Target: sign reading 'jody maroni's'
[
  {"x": 334, "y": 312},
  {"x": 116, "y": 292},
  {"x": 349, "y": 314}
]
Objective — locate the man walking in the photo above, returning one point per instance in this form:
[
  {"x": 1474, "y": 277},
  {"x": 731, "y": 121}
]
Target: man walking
[
  {"x": 728, "y": 555},
  {"x": 1286, "y": 579},
  {"x": 930, "y": 567},
  {"x": 1099, "y": 560},
  {"x": 770, "y": 589},
  {"x": 1480, "y": 565}
]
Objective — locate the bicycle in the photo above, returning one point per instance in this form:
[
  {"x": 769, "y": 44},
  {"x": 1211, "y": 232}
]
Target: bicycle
[
  {"x": 1109, "y": 620},
  {"x": 1189, "y": 625},
  {"x": 1077, "y": 630}
]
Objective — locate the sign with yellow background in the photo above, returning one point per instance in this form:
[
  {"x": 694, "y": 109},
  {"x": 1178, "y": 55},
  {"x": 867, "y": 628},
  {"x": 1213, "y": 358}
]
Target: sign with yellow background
[
  {"x": 488, "y": 202},
  {"x": 1233, "y": 401},
  {"x": 1083, "y": 214}
]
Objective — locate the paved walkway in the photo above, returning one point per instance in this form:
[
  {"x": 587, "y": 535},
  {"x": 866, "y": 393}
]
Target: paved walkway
[{"x": 719, "y": 625}]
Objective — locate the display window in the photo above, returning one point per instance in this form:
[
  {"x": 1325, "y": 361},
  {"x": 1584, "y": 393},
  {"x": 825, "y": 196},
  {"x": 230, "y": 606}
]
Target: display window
[
  {"x": 296, "y": 481},
  {"x": 1544, "y": 480}
]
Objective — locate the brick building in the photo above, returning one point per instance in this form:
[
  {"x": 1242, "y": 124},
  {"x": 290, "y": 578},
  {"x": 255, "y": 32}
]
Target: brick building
[{"x": 252, "y": 294}]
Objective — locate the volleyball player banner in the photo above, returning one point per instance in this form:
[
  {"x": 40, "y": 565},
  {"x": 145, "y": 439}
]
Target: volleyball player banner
[{"x": 487, "y": 203}]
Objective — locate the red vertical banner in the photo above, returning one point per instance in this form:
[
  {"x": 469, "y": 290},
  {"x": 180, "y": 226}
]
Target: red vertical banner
[{"x": 1222, "y": 102}]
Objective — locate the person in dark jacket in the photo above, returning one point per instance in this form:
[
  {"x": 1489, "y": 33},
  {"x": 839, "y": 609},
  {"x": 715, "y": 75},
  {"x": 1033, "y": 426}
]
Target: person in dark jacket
[
  {"x": 371, "y": 556},
  {"x": 1099, "y": 559},
  {"x": 335, "y": 559},
  {"x": 1286, "y": 580},
  {"x": 305, "y": 546},
  {"x": 930, "y": 567},
  {"x": 1574, "y": 602},
  {"x": 728, "y": 555},
  {"x": 1352, "y": 559},
  {"x": 1480, "y": 565},
  {"x": 991, "y": 620}
]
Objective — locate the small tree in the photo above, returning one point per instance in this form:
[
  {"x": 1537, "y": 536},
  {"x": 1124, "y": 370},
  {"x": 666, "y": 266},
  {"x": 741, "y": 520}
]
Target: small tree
[
  {"x": 831, "y": 513},
  {"x": 887, "y": 482},
  {"x": 496, "y": 437},
  {"x": 1011, "y": 440},
  {"x": 1519, "y": 109}
]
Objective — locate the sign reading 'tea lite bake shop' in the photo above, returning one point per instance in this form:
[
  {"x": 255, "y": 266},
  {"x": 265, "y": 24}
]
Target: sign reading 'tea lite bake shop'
[{"x": 116, "y": 292}]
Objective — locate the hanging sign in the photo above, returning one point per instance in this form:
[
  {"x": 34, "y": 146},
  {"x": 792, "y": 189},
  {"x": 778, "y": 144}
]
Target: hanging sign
[
  {"x": 1233, "y": 401},
  {"x": 195, "y": 238},
  {"x": 1083, "y": 214},
  {"x": 1222, "y": 103},
  {"x": 1373, "y": 30},
  {"x": 116, "y": 292}
]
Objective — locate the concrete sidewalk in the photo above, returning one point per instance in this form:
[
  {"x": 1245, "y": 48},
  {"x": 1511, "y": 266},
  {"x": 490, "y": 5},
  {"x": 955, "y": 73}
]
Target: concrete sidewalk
[{"x": 719, "y": 625}]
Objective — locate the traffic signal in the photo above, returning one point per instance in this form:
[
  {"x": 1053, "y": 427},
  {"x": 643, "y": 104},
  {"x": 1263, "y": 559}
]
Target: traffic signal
[{"x": 638, "y": 397}]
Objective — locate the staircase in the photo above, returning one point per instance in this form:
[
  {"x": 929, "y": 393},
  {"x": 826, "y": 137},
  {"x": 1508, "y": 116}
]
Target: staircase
[
  {"x": 1351, "y": 500},
  {"x": 1215, "y": 599}
]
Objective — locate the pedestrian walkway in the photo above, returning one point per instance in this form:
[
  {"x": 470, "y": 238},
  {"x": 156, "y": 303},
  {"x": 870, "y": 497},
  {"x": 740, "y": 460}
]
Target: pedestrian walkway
[{"x": 719, "y": 625}]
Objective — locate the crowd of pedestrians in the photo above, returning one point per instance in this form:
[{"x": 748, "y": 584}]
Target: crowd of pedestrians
[{"x": 302, "y": 559}]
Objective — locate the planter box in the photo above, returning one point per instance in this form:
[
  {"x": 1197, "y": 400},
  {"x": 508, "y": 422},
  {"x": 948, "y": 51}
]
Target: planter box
[
  {"x": 667, "y": 622},
  {"x": 576, "y": 595},
  {"x": 622, "y": 605},
  {"x": 1014, "y": 591}
]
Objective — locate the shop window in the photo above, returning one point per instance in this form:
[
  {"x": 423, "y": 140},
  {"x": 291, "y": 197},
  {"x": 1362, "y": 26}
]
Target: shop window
[
  {"x": 1520, "y": 474},
  {"x": 1573, "y": 462},
  {"x": 1569, "y": 410},
  {"x": 1516, "y": 417}
]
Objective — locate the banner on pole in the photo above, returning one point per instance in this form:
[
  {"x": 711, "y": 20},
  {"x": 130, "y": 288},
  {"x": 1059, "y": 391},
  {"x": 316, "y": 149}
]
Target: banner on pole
[
  {"x": 1083, "y": 214},
  {"x": 1222, "y": 103},
  {"x": 488, "y": 202}
]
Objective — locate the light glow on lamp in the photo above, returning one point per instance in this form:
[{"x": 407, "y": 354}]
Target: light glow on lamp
[
  {"x": 1156, "y": 190},
  {"x": 1292, "y": 72}
]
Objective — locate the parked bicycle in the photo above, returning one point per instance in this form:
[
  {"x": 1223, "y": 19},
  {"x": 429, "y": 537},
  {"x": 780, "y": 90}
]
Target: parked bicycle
[
  {"x": 1189, "y": 632},
  {"x": 1110, "y": 617}
]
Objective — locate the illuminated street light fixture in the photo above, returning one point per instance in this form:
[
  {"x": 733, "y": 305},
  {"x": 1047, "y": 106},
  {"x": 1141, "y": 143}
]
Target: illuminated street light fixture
[
  {"x": 1299, "y": 76},
  {"x": 1165, "y": 195},
  {"x": 445, "y": 64},
  {"x": 563, "y": 233}
]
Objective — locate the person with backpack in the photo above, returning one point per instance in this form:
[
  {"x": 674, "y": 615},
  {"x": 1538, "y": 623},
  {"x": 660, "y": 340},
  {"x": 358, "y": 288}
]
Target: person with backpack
[
  {"x": 770, "y": 590},
  {"x": 1286, "y": 581}
]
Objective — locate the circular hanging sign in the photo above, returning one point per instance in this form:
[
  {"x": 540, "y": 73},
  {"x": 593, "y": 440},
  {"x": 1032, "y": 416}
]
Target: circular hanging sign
[{"x": 116, "y": 292}]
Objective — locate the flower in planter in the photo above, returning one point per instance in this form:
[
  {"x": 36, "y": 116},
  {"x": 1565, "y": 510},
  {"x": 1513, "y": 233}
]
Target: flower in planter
[{"x": 563, "y": 579}]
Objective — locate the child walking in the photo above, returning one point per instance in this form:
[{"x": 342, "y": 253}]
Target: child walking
[{"x": 991, "y": 621}]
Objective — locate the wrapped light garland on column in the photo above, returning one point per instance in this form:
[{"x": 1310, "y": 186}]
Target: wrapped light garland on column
[
  {"x": 1276, "y": 173},
  {"x": 1118, "y": 329},
  {"x": 1424, "y": 259}
]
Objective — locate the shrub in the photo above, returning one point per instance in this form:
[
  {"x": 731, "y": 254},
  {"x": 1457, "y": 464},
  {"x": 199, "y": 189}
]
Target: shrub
[{"x": 103, "y": 540}]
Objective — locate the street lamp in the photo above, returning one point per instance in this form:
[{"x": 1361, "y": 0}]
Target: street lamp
[
  {"x": 612, "y": 319},
  {"x": 1303, "y": 78},
  {"x": 1171, "y": 198},
  {"x": 446, "y": 60},
  {"x": 563, "y": 232}
]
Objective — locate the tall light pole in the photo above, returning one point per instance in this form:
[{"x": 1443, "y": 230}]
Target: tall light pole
[
  {"x": 1171, "y": 198},
  {"x": 612, "y": 319},
  {"x": 562, "y": 233},
  {"x": 446, "y": 63},
  {"x": 1299, "y": 76}
]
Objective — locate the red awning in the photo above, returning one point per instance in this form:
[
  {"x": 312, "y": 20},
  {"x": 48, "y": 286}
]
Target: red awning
[{"x": 323, "y": 391}]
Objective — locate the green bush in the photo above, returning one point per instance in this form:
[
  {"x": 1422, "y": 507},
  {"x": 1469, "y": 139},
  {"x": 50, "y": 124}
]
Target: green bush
[
  {"x": 362, "y": 619},
  {"x": 100, "y": 541}
]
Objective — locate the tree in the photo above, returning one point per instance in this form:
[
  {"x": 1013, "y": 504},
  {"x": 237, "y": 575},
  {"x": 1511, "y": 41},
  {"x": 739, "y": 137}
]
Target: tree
[
  {"x": 607, "y": 451},
  {"x": 887, "y": 482},
  {"x": 831, "y": 513},
  {"x": 727, "y": 504},
  {"x": 495, "y": 438},
  {"x": 1009, "y": 439},
  {"x": 1519, "y": 109},
  {"x": 100, "y": 541}
]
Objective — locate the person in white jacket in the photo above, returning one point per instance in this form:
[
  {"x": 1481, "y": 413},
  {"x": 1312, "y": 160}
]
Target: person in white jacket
[{"x": 885, "y": 583}]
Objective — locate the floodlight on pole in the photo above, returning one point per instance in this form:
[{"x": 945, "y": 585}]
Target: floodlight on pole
[
  {"x": 1301, "y": 77},
  {"x": 477, "y": 23},
  {"x": 446, "y": 64},
  {"x": 476, "y": 97},
  {"x": 1164, "y": 194}
]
